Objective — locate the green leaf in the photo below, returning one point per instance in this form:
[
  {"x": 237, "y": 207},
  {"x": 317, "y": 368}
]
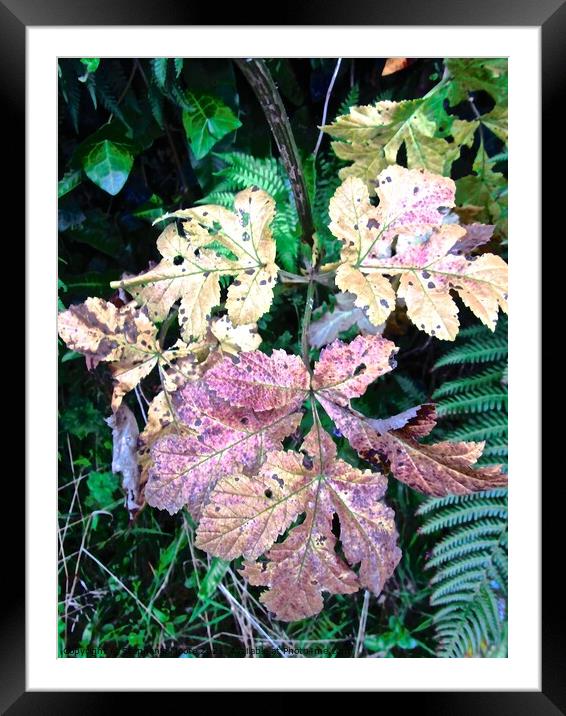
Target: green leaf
[
  {"x": 108, "y": 165},
  {"x": 91, "y": 63},
  {"x": 71, "y": 180},
  {"x": 151, "y": 210},
  {"x": 101, "y": 487},
  {"x": 208, "y": 121}
]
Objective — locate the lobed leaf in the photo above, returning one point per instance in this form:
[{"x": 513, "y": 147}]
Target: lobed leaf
[
  {"x": 190, "y": 269},
  {"x": 428, "y": 256}
]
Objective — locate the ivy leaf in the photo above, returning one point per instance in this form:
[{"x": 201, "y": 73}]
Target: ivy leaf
[
  {"x": 206, "y": 122},
  {"x": 246, "y": 515},
  {"x": 70, "y": 181},
  {"x": 408, "y": 220},
  {"x": 191, "y": 268},
  {"x": 108, "y": 165}
]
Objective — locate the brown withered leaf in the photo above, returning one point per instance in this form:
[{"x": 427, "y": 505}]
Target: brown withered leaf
[
  {"x": 126, "y": 339},
  {"x": 191, "y": 266},
  {"x": 434, "y": 469},
  {"x": 124, "y": 459},
  {"x": 405, "y": 236},
  {"x": 245, "y": 515},
  {"x": 395, "y": 64}
]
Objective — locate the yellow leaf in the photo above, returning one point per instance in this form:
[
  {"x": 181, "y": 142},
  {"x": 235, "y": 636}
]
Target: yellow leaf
[
  {"x": 408, "y": 223},
  {"x": 374, "y": 294}
]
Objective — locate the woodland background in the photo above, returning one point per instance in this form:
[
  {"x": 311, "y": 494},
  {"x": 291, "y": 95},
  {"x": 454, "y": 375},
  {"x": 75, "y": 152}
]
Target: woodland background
[{"x": 141, "y": 137}]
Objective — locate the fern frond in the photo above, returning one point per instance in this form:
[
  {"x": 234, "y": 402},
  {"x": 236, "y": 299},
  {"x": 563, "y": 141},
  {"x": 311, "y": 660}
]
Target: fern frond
[
  {"x": 493, "y": 374},
  {"x": 479, "y": 400},
  {"x": 241, "y": 171},
  {"x": 483, "y": 349},
  {"x": 470, "y": 563},
  {"x": 487, "y": 426},
  {"x": 351, "y": 99}
]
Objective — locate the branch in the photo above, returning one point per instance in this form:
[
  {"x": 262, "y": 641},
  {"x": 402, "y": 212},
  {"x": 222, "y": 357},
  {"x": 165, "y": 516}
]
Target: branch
[{"x": 261, "y": 81}]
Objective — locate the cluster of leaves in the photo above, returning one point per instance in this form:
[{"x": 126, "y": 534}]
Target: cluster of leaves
[
  {"x": 223, "y": 459},
  {"x": 269, "y": 455},
  {"x": 431, "y": 135}
]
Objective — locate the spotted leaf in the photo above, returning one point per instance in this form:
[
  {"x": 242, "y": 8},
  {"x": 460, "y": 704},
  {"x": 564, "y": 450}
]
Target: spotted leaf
[{"x": 246, "y": 519}]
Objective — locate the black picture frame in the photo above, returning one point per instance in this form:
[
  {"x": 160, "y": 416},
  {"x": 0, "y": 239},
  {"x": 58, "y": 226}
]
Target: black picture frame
[{"x": 15, "y": 17}]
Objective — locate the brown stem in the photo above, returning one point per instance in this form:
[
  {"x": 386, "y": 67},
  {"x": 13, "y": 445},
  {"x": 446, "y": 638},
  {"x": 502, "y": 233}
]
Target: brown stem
[{"x": 261, "y": 81}]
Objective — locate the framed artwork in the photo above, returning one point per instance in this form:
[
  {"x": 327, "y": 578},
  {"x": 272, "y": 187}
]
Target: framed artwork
[{"x": 271, "y": 415}]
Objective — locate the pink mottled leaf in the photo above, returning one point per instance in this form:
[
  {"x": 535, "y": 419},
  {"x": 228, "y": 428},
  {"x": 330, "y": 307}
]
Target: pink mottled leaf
[
  {"x": 215, "y": 439},
  {"x": 405, "y": 238},
  {"x": 259, "y": 381},
  {"x": 245, "y": 516},
  {"x": 476, "y": 235},
  {"x": 436, "y": 469},
  {"x": 345, "y": 370}
]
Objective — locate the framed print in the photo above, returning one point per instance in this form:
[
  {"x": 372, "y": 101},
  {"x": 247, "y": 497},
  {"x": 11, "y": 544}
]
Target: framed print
[{"x": 271, "y": 414}]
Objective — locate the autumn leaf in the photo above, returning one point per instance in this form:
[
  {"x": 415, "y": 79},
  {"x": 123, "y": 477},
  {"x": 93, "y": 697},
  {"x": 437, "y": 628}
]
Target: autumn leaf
[
  {"x": 405, "y": 236},
  {"x": 434, "y": 469},
  {"x": 124, "y": 460},
  {"x": 224, "y": 461},
  {"x": 124, "y": 337},
  {"x": 371, "y": 136},
  {"x": 395, "y": 64},
  {"x": 245, "y": 515},
  {"x": 255, "y": 380},
  {"x": 191, "y": 265},
  {"x": 214, "y": 438}
]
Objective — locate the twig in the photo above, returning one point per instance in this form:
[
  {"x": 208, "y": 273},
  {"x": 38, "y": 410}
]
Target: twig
[
  {"x": 261, "y": 81},
  {"x": 326, "y": 101}
]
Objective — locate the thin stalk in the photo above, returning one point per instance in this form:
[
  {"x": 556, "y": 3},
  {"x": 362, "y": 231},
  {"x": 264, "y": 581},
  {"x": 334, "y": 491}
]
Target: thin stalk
[
  {"x": 258, "y": 75},
  {"x": 306, "y": 323}
]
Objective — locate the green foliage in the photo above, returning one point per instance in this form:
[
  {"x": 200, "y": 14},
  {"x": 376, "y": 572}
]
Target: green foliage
[
  {"x": 108, "y": 165},
  {"x": 475, "y": 402},
  {"x": 469, "y": 587},
  {"x": 206, "y": 121}
]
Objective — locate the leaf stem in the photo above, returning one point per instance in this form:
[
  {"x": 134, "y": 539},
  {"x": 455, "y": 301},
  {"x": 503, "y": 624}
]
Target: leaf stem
[{"x": 306, "y": 323}]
